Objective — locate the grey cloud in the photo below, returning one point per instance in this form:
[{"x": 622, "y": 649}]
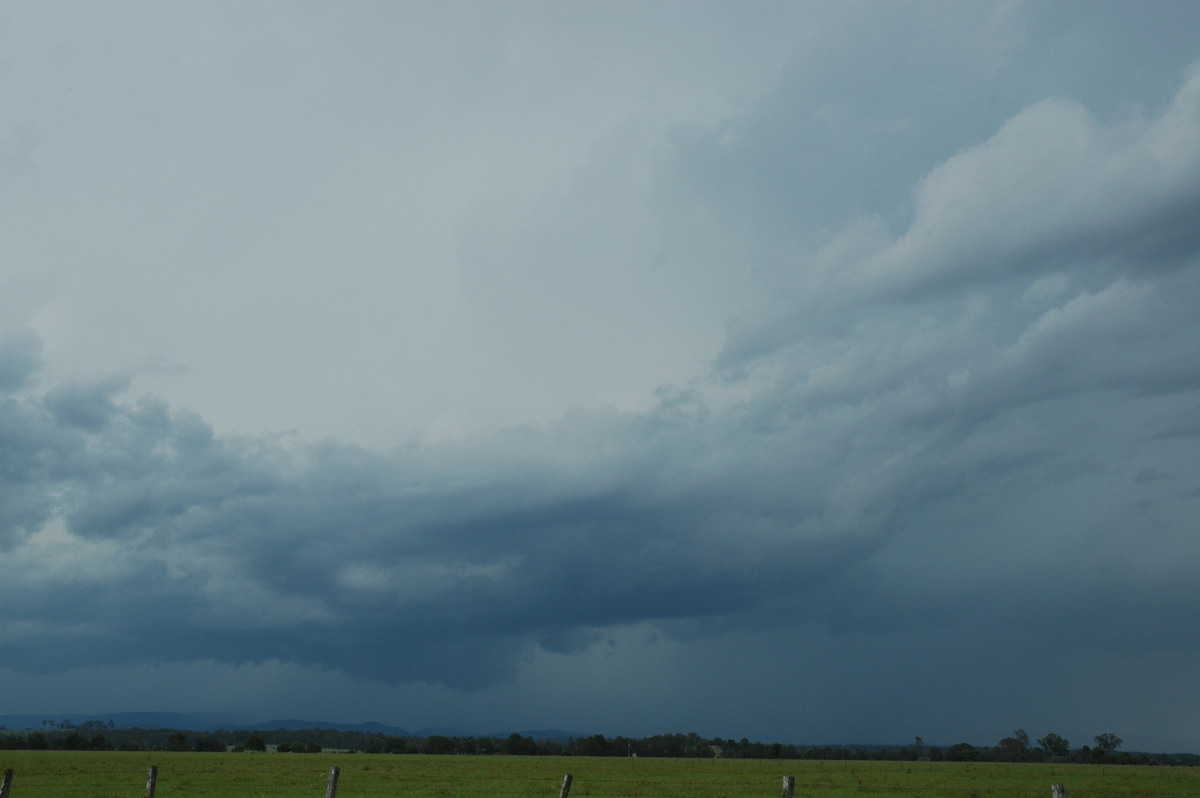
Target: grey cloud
[
  {"x": 253, "y": 549},
  {"x": 1052, "y": 193},
  {"x": 952, "y": 419},
  {"x": 836, "y": 139},
  {"x": 20, "y": 357},
  {"x": 86, "y": 405}
]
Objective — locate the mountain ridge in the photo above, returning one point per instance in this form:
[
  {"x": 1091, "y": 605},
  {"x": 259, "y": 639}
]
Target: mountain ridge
[{"x": 210, "y": 722}]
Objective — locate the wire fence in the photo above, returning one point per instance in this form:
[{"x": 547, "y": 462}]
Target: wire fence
[{"x": 357, "y": 780}]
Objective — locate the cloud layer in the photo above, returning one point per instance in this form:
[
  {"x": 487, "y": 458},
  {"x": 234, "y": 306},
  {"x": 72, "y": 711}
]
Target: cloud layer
[{"x": 912, "y": 439}]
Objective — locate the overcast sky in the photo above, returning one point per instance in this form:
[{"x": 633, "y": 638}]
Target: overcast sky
[{"x": 802, "y": 371}]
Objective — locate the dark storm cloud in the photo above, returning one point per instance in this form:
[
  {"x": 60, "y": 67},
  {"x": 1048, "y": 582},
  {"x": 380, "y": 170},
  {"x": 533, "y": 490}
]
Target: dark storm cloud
[
  {"x": 951, "y": 425},
  {"x": 930, "y": 461},
  {"x": 390, "y": 565}
]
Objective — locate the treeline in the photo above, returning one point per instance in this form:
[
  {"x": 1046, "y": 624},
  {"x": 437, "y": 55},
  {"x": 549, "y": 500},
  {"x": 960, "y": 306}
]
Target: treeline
[
  {"x": 221, "y": 740},
  {"x": 79, "y": 739},
  {"x": 95, "y": 736}
]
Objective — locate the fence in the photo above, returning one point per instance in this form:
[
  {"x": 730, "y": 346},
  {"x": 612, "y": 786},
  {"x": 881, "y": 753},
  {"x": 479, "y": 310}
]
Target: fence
[{"x": 789, "y": 785}]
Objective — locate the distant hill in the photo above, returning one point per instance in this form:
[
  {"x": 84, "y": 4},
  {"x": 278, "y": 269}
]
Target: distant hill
[
  {"x": 207, "y": 722},
  {"x": 293, "y": 724},
  {"x": 185, "y": 721},
  {"x": 554, "y": 735},
  {"x": 121, "y": 720}
]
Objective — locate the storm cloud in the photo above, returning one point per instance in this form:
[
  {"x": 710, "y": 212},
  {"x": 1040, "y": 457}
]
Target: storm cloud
[{"x": 833, "y": 397}]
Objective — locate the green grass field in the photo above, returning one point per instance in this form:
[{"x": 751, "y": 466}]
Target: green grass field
[{"x": 61, "y": 774}]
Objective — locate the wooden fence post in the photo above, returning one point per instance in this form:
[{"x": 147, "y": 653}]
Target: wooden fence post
[
  {"x": 1058, "y": 791},
  {"x": 151, "y": 781},
  {"x": 6, "y": 783},
  {"x": 566, "y": 786},
  {"x": 331, "y": 788},
  {"x": 789, "y": 786}
]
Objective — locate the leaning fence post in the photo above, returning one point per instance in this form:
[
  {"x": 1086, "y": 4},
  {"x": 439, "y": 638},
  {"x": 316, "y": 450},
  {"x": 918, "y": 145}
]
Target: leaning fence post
[
  {"x": 151, "y": 781},
  {"x": 566, "y": 786},
  {"x": 331, "y": 789},
  {"x": 6, "y": 783},
  {"x": 789, "y": 787},
  {"x": 1058, "y": 791}
]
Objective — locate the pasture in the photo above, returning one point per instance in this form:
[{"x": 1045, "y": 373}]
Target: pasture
[{"x": 63, "y": 774}]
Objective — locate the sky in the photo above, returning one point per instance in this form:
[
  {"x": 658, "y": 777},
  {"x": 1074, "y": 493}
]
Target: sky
[{"x": 811, "y": 372}]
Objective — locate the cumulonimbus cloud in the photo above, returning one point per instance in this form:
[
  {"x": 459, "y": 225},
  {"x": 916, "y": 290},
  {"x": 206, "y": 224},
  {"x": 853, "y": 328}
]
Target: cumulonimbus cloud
[{"x": 1030, "y": 339}]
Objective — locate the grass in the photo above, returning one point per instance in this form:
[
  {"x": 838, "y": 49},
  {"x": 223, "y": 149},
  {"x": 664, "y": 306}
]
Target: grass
[{"x": 63, "y": 774}]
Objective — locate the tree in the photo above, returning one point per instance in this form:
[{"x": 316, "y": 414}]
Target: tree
[
  {"x": 387, "y": 744},
  {"x": 254, "y": 743},
  {"x": 438, "y": 744},
  {"x": 1054, "y": 744},
  {"x": 1015, "y": 748},
  {"x": 517, "y": 745},
  {"x": 1105, "y": 744},
  {"x": 210, "y": 743},
  {"x": 962, "y": 752},
  {"x": 72, "y": 742},
  {"x": 596, "y": 745}
]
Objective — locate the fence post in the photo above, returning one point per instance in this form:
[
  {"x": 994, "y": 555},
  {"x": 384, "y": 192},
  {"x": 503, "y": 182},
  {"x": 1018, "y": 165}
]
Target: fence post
[
  {"x": 331, "y": 788},
  {"x": 1058, "y": 791},
  {"x": 789, "y": 786},
  {"x": 566, "y": 786},
  {"x": 6, "y": 783},
  {"x": 151, "y": 781}
]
